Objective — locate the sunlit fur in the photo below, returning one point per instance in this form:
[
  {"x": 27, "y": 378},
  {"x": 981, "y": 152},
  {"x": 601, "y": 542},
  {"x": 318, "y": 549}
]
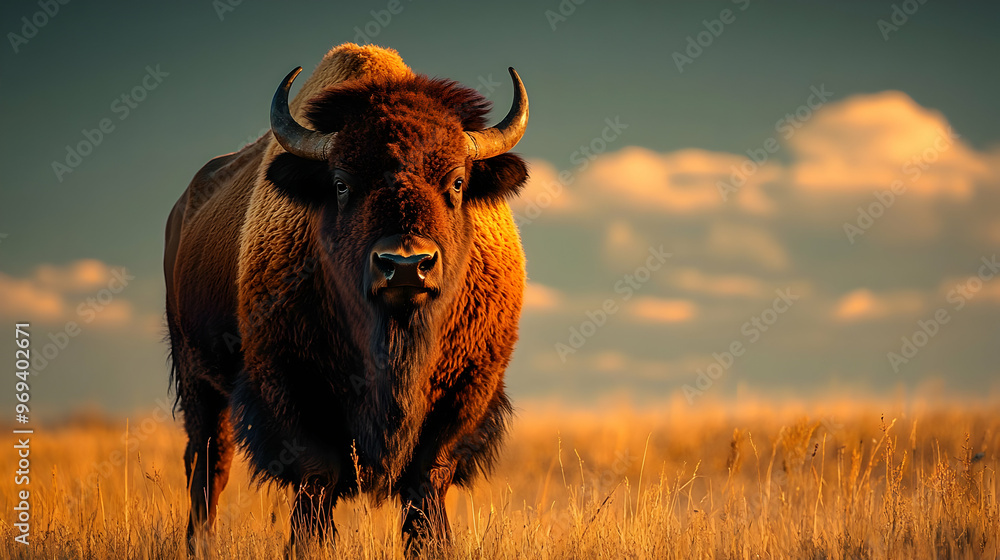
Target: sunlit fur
[{"x": 277, "y": 346}]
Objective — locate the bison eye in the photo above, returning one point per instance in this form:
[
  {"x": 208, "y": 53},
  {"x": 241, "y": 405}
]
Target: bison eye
[
  {"x": 458, "y": 184},
  {"x": 342, "y": 187}
]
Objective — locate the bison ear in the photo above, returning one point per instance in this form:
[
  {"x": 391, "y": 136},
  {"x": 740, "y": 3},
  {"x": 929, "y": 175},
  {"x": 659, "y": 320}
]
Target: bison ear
[
  {"x": 497, "y": 178},
  {"x": 304, "y": 181}
]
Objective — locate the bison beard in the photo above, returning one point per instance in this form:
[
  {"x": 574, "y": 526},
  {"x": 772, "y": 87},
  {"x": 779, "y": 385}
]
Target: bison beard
[{"x": 393, "y": 407}]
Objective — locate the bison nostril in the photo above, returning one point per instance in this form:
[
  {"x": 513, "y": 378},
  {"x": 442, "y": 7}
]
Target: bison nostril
[
  {"x": 385, "y": 264},
  {"x": 397, "y": 270},
  {"x": 412, "y": 263}
]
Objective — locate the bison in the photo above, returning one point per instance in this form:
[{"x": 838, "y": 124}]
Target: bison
[{"x": 343, "y": 295}]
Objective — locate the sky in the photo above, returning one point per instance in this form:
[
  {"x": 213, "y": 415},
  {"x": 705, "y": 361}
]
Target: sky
[{"x": 787, "y": 199}]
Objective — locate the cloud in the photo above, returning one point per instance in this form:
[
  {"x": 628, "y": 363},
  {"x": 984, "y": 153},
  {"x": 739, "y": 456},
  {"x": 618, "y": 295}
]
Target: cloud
[
  {"x": 677, "y": 182},
  {"x": 724, "y": 285},
  {"x": 849, "y": 148},
  {"x": 990, "y": 291},
  {"x": 24, "y": 300},
  {"x": 79, "y": 276},
  {"x": 545, "y": 194},
  {"x": 990, "y": 232},
  {"x": 864, "y": 305},
  {"x": 681, "y": 182},
  {"x": 623, "y": 245},
  {"x": 541, "y": 298},
  {"x": 79, "y": 291},
  {"x": 618, "y": 366},
  {"x": 658, "y": 310},
  {"x": 783, "y": 226},
  {"x": 639, "y": 179},
  {"x": 984, "y": 287},
  {"x": 746, "y": 243},
  {"x": 866, "y": 142}
]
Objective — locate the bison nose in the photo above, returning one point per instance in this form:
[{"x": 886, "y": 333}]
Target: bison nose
[
  {"x": 410, "y": 262},
  {"x": 405, "y": 270}
]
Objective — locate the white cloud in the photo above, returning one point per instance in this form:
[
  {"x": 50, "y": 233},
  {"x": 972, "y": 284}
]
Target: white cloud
[
  {"x": 866, "y": 142},
  {"x": 544, "y": 194},
  {"x": 82, "y": 291},
  {"x": 849, "y": 148},
  {"x": 677, "y": 182},
  {"x": 721, "y": 285},
  {"x": 864, "y": 305},
  {"x": 623, "y": 245},
  {"x": 746, "y": 243},
  {"x": 659, "y": 310},
  {"x": 538, "y": 297},
  {"x": 618, "y": 365},
  {"x": 25, "y": 299}
]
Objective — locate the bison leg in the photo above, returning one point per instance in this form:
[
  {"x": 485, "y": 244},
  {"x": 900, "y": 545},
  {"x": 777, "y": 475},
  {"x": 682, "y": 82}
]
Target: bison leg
[
  {"x": 208, "y": 456},
  {"x": 312, "y": 515},
  {"x": 424, "y": 517}
]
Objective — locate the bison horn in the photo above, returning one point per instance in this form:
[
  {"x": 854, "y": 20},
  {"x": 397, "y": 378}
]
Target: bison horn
[
  {"x": 293, "y": 137},
  {"x": 501, "y": 138}
]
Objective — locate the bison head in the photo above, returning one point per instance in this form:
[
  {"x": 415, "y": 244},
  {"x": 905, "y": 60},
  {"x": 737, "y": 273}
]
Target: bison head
[{"x": 394, "y": 168}]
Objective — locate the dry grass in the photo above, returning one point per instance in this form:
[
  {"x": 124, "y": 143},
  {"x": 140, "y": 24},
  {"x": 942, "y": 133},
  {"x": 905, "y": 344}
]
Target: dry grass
[{"x": 757, "y": 480}]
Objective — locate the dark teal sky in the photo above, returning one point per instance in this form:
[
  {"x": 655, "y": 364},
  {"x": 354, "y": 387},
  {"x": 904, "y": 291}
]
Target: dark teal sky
[{"x": 606, "y": 60}]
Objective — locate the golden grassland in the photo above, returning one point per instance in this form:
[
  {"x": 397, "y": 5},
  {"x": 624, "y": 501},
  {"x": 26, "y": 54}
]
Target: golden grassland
[{"x": 759, "y": 479}]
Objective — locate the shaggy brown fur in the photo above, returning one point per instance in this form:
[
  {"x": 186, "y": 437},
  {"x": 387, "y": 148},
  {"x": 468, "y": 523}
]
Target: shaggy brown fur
[{"x": 277, "y": 346}]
